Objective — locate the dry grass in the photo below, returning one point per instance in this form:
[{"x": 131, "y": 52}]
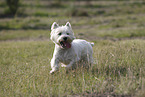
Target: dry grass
[{"x": 118, "y": 70}]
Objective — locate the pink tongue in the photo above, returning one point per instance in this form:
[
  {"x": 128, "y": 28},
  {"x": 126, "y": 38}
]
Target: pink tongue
[{"x": 67, "y": 45}]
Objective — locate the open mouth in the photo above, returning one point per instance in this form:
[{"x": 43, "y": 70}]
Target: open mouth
[{"x": 65, "y": 44}]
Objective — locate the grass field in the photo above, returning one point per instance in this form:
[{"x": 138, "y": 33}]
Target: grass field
[{"x": 116, "y": 27}]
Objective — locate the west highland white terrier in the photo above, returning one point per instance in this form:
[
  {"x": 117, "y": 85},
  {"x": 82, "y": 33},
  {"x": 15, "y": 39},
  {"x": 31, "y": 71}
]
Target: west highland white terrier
[{"x": 70, "y": 52}]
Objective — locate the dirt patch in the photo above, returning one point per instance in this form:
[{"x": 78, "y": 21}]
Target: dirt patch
[
  {"x": 94, "y": 38},
  {"x": 100, "y": 95},
  {"x": 28, "y": 39},
  {"x": 90, "y": 38}
]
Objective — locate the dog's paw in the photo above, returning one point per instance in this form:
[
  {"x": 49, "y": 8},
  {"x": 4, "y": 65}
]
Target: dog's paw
[
  {"x": 66, "y": 66},
  {"x": 63, "y": 65},
  {"x": 52, "y": 71}
]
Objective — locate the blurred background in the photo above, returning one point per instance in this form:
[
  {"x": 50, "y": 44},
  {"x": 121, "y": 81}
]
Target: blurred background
[{"x": 91, "y": 19}]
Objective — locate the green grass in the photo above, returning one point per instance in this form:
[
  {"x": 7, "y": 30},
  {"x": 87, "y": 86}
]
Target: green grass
[
  {"x": 26, "y": 50},
  {"x": 119, "y": 69}
]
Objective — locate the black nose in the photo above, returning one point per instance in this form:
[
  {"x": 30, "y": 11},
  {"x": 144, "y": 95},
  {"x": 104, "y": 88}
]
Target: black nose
[{"x": 65, "y": 38}]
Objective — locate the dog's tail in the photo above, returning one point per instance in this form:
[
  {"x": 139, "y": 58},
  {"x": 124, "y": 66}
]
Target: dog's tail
[{"x": 92, "y": 44}]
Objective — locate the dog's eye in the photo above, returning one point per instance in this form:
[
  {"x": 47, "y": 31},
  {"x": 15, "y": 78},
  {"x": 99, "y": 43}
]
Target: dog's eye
[
  {"x": 59, "y": 33},
  {"x": 67, "y": 33}
]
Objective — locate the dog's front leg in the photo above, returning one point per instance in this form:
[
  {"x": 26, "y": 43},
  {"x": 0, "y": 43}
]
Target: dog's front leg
[{"x": 54, "y": 65}]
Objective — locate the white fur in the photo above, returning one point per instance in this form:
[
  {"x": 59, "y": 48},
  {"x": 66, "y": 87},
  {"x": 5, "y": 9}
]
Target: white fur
[{"x": 80, "y": 50}]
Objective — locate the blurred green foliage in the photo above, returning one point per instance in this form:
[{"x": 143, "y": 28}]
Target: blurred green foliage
[{"x": 13, "y": 6}]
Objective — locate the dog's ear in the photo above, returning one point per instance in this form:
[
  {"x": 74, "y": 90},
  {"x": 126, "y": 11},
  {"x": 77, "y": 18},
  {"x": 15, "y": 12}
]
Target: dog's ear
[
  {"x": 54, "y": 26},
  {"x": 68, "y": 24}
]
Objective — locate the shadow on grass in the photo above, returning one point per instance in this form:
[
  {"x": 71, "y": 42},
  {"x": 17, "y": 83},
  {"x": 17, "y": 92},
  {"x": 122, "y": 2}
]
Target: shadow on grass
[
  {"x": 24, "y": 28},
  {"x": 8, "y": 15}
]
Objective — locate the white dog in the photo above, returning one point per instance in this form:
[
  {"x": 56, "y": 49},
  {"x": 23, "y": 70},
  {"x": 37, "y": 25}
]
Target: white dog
[{"x": 68, "y": 50}]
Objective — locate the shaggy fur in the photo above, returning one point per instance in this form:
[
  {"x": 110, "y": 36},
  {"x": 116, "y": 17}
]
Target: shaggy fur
[{"x": 68, "y": 50}]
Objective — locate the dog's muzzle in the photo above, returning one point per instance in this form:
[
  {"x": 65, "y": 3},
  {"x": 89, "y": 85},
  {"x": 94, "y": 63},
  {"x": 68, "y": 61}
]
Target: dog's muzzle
[{"x": 65, "y": 43}]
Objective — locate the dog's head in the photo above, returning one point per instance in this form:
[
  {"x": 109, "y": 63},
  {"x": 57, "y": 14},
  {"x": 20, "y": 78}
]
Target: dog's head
[{"x": 62, "y": 35}]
